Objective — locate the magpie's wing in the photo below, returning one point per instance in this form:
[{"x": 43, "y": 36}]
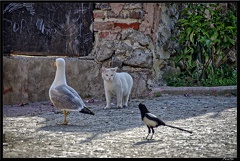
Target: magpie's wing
[{"x": 152, "y": 117}]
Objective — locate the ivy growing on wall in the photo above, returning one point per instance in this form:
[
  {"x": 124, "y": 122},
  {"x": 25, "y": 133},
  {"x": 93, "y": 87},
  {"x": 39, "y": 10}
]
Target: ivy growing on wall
[{"x": 207, "y": 38}]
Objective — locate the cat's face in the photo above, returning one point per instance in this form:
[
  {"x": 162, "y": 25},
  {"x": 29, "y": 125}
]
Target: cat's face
[{"x": 108, "y": 74}]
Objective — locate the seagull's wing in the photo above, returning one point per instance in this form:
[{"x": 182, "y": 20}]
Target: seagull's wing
[
  {"x": 77, "y": 95},
  {"x": 63, "y": 97}
]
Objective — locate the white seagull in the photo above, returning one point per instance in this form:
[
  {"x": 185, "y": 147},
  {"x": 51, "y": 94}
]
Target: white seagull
[{"x": 63, "y": 96}]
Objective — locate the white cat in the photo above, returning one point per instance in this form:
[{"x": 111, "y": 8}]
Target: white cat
[{"x": 117, "y": 84}]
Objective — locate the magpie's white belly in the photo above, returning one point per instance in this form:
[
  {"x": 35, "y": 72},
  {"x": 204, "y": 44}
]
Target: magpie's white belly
[{"x": 149, "y": 122}]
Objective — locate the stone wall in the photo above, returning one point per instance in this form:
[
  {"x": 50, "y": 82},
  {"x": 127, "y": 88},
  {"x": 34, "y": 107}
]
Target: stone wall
[
  {"x": 136, "y": 35},
  {"x": 28, "y": 79},
  {"x": 132, "y": 36}
]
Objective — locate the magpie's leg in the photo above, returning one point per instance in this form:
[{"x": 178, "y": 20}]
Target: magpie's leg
[
  {"x": 152, "y": 133},
  {"x": 149, "y": 131}
]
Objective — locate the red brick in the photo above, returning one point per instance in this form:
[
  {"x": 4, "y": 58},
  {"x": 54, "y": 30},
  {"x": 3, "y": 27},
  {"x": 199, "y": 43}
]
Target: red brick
[
  {"x": 100, "y": 26},
  {"x": 98, "y": 14},
  {"x": 126, "y": 26},
  {"x": 124, "y": 14},
  {"x": 7, "y": 90},
  {"x": 103, "y": 34},
  {"x": 111, "y": 14},
  {"x": 136, "y": 14}
]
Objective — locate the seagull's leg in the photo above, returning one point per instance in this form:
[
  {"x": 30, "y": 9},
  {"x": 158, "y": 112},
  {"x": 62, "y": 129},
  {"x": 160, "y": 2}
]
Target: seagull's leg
[
  {"x": 149, "y": 131},
  {"x": 65, "y": 117}
]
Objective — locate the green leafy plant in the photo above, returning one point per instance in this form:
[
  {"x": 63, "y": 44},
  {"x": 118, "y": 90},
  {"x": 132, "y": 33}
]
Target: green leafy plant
[
  {"x": 207, "y": 34},
  {"x": 157, "y": 94},
  {"x": 224, "y": 76}
]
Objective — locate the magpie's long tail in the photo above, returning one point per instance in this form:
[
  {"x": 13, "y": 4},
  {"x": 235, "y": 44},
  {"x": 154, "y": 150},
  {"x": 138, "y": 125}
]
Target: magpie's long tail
[{"x": 178, "y": 128}]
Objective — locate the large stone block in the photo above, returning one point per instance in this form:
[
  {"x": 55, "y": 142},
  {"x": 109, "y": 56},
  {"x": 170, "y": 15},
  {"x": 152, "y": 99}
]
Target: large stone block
[
  {"x": 31, "y": 77},
  {"x": 136, "y": 36},
  {"x": 105, "y": 50},
  {"x": 138, "y": 58}
]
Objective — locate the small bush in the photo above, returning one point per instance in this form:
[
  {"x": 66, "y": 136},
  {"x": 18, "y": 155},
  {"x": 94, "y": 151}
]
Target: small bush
[
  {"x": 225, "y": 76},
  {"x": 157, "y": 94},
  {"x": 207, "y": 36}
]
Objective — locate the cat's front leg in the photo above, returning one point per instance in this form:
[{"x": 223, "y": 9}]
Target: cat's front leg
[
  {"x": 108, "y": 99},
  {"x": 125, "y": 101},
  {"x": 119, "y": 100}
]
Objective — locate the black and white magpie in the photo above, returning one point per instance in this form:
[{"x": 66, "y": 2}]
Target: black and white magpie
[{"x": 152, "y": 121}]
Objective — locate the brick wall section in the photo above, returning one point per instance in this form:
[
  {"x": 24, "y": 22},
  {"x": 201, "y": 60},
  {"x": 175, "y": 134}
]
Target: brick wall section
[
  {"x": 111, "y": 18},
  {"x": 126, "y": 26},
  {"x": 104, "y": 25}
]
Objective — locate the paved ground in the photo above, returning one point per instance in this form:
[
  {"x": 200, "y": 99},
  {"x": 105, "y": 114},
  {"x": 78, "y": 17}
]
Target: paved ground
[{"x": 32, "y": 131}]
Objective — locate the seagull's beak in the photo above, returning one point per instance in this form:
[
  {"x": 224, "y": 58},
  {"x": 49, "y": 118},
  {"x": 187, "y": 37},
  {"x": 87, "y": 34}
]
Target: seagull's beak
[{"x": 55, "y": 64}]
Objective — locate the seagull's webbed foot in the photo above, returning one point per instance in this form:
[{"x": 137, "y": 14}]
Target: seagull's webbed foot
[{"x": 65, "y": 122}]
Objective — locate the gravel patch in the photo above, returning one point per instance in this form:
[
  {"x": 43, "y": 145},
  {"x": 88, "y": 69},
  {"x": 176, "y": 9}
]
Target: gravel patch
[{"x": 31, "y": 130}]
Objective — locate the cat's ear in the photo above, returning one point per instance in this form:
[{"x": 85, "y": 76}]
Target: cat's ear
[
  {"x": 103, "y": 69},
  {"x": 114, "y": 69}
]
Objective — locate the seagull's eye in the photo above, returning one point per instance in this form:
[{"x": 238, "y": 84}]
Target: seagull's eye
[
  {"x": 106, "y": 74},
  {"x": 111, "y": 75}
]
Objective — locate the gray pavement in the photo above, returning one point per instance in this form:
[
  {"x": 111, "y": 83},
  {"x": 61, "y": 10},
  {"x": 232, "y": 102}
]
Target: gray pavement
[{"x": 32, "y": 130}]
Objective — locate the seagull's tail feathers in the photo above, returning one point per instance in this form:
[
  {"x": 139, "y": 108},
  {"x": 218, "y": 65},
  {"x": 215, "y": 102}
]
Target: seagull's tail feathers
[
  {"x": 178, "y": 128},
  {"x": 87, "y": 111}
]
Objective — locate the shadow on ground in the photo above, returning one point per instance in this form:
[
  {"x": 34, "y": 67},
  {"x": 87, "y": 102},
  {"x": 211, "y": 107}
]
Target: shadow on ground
[{"x": 168, "y": 108}]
